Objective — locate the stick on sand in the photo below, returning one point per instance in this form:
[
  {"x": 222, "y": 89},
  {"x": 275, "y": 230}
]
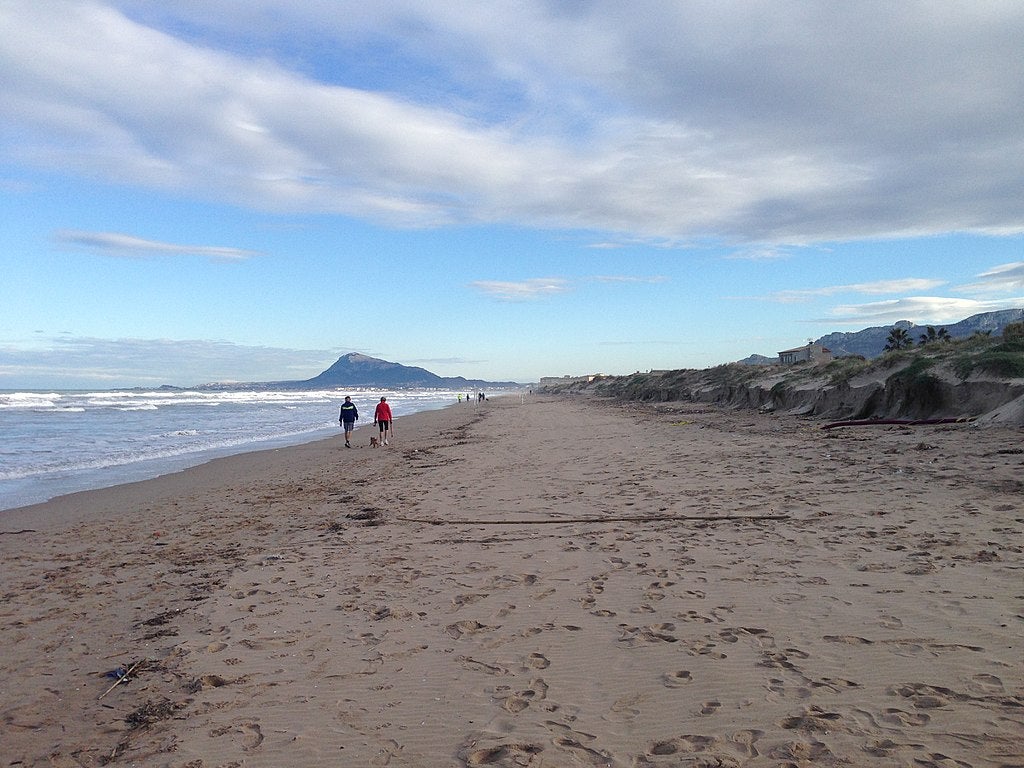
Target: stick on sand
[{"x": 122, "y": 679}]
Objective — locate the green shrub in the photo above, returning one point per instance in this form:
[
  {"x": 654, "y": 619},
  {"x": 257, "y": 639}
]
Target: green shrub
[
  {"x": 1001, "y": 362},
  {"x": 843, "y": 369},
  {"x": 894, "y": 357},
  {"x": 964, "y": 366},
  {"x": 922, "y": 392},
  {"x": 1014, "y": 331}
]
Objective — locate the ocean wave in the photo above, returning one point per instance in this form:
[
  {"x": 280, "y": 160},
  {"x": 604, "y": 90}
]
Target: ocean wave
[{"x": 29, "y": 399}]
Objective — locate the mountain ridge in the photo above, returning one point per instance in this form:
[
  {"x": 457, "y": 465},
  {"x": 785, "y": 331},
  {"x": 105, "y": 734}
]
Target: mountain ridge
[
  {"x": 870, "y": 342},
  {"x": 358, "y": 370}
]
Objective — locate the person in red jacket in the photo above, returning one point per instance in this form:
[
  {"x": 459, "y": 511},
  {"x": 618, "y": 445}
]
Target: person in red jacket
[{"x": 382, "y": 418}]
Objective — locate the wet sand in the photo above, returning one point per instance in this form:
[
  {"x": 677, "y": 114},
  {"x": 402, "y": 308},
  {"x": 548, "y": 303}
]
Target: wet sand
[{"x": 552, "y": 582}]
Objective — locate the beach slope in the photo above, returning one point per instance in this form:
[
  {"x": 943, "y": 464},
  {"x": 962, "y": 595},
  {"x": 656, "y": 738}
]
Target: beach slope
[{"x": 533, "y": 582}]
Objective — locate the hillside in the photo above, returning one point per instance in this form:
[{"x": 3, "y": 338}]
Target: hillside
[
  {"x": 980, "y": 378},
  {"x": 870, "y": 342},
  {"x": 356, "y": 370}
]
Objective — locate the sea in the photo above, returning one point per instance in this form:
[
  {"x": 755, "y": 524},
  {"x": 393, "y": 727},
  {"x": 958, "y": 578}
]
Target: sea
[{"x": 58, "y": 442}]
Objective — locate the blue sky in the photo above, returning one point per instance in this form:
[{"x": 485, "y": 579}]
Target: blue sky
[{"x": 245, "y": 190}]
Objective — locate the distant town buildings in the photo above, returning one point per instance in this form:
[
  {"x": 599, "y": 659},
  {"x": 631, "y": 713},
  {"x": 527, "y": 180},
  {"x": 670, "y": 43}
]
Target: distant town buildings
[
  {"x": 551, "y": 381},
  {"x": 811, "y": 352}
]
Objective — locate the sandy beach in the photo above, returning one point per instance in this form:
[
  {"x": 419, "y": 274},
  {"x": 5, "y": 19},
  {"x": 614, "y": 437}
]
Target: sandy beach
[{"x": 546, "y": 582}]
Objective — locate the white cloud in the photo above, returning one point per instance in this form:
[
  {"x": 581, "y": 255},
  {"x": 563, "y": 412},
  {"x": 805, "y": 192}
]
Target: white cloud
[
  {"x": 118, "y": 244},
  {"x": 770, "y": 121},
  {"x": 442, "y": 361},
  {"x": 902, "y": 285},
  {"x": 72, "y": 361},
  {"x": 628, "y": 279},
  {"x": 1001, "y": 279},
  {"x": 760, "y": 253},
  {"x": 540, "y": 287},
  {"x": 918, "y": 309},
  {"x": 523, "y": 290}
]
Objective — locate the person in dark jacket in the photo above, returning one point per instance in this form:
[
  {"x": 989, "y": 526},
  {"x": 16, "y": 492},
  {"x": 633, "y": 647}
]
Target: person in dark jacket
[{"x": 347, "y": 419}]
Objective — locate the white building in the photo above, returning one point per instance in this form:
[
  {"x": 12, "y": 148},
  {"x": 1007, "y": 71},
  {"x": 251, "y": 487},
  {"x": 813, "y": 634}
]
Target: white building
[{"x": 814, "y": 353}]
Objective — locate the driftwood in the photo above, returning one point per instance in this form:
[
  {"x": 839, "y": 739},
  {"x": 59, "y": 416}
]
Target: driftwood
[
  {"x": 122, "y": 679},
  {"x": 624, "y": 519},
  {"x": 903, "y": 422}
]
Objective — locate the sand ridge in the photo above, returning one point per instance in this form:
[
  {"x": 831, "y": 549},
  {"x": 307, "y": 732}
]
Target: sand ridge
[{"x": 866, "y": 609}]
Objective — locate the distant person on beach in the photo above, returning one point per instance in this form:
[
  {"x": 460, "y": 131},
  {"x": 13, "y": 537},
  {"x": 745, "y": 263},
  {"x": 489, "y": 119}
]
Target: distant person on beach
[
  {"x": 347, "y": 419},
  {"x": 382, "y": 419}
]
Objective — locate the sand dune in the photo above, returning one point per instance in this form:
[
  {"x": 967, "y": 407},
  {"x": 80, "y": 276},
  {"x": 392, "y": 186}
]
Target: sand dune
[{"x": 553, "y": 582}]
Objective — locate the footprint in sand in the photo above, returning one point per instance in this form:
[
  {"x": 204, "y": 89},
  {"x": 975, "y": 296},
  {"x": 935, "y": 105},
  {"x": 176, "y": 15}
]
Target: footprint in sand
[
  {"x": 460, "y": 600},
  {"x": 880, "y": 747},
  {"x": 705, "y": 649},
  {"x": 481, "y": 666},
  {"x": 813, "y": 719},
  {"x": 460, "y": 628},
  {"x": 208, "y": 681},
  {"x": 251, "y": 734},
  {"x": 986, "y": 685},
  {"x": 504, "y": 755},
  {"x": 788, "y": 597},
  {"x": 923, "y": 696},
  {"x": 564, "y": 730},
  {"x": 583, "y": 754},
  {"x": 677, "y": 679},
  {"x": 625, "y": 708},
  {"x": 538, "y": 688},
  {"x": 804, "y": 753},
  {"x": 265, "y": 643},
  {"x": 719, "y": 752},
  {"x": 848, "y": 639},
  {"x": 899, "y": 718},
  {"x": 514, "y": 704},
  {"x": 538, "y": 661},
  {"x": 710, "y": 707}
]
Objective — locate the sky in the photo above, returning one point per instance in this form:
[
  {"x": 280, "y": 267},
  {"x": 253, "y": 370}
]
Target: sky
[{"x": 245, "y": 190}]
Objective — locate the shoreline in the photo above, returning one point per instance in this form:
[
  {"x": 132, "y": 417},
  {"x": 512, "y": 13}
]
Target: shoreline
[
  {"x": 706, "y": 585},
  {"x": 145, "y": 449},
  {"x": 51, "y": 510}
]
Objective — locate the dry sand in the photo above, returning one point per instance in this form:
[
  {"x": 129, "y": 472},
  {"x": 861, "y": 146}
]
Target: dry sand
[{"x": 598, "y": 585}]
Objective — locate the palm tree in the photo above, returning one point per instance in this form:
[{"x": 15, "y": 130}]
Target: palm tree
[
  {"x": 898, "y": 339},
  {"x": 931, "y": 335}
]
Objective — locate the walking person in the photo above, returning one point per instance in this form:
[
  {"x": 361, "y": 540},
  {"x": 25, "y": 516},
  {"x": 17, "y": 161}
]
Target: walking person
[
  {"x": 382, "y": 418},
  {"x": 348, "y": 417}
]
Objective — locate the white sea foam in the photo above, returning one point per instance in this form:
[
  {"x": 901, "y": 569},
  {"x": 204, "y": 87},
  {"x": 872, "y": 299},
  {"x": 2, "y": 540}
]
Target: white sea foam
[{"x": 60, "y": 442}]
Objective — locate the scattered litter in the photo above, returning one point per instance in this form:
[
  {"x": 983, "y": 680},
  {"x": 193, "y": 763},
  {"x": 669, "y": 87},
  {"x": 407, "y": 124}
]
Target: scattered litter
[{"x": 123, "y": 675}]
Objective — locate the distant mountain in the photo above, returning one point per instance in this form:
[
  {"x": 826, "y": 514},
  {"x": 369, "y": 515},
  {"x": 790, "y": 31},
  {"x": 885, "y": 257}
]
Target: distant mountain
[
  {"x": 355, "y": 370},
  {"x": 870, "y": 342},
  {"x": 756, "y": 359}
]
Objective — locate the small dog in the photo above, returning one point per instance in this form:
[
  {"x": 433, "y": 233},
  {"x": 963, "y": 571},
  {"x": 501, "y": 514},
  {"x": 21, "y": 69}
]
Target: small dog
[{"x": 374, "y": 443}]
